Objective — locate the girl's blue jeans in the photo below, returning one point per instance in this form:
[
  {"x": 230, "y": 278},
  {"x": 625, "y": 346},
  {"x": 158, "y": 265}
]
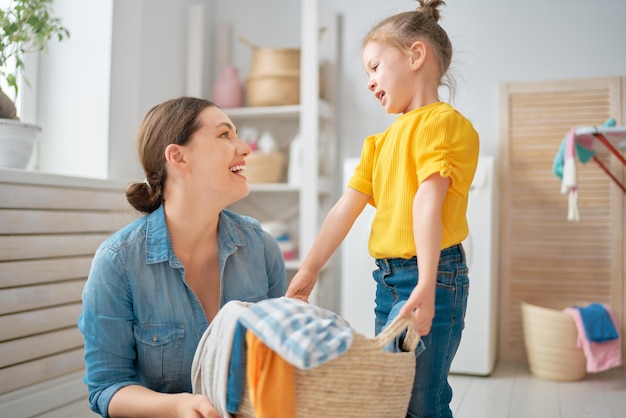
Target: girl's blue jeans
[{"x": 395, "y": 280}]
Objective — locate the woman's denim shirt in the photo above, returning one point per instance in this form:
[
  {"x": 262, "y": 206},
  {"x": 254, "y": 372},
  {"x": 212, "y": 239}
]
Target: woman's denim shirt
[{"x": 141, "y": 322}]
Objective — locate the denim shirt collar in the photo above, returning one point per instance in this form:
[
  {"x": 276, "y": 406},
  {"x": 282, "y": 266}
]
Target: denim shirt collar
[{"x": 159, "y": 243}]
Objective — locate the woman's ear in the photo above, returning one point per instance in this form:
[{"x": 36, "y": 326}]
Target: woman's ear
[
  {"x": 417, "y": 54},
  {"x": 174, "y": 155}
]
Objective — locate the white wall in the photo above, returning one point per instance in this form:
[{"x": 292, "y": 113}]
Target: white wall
[
  {"x": 495, "y": 41},
  {"x": 148, "y": 66},
  {"x": 99, "y": 92},
  {"x": 73, "y": 88}
]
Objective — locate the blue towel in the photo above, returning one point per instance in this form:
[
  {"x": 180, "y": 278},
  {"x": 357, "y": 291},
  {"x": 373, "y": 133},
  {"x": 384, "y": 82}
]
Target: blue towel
[
  {"x": 395, "y": 346},
  {"x": 236, "y": 370},
  {"x": 584, "y": 154},
  {"x": 597, "y": 322}
]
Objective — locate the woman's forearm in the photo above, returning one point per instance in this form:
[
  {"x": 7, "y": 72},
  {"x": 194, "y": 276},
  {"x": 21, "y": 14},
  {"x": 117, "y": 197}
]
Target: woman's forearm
[{"x": 139, "y": 402}]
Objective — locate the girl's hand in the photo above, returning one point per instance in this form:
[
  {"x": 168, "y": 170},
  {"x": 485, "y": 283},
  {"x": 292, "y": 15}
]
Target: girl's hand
[
  {"x": 301, "y": 286},
  {"x": 421, "y": 307}
]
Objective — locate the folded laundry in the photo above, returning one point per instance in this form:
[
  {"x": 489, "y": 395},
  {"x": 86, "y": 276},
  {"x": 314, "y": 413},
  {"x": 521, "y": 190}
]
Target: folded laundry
[
  {"x": 600, "y": 356},
  {"x": 303, "y": 334},
  {"x": 271, "y": 381},
  {"x": 211, "y": 362},
  {"x": 597, "y": 323}
]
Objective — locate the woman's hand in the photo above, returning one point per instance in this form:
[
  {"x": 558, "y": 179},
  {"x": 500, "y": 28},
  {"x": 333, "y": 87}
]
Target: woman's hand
[
  {"x": 197, "y": 407},
  {"x": 139, "y": 401}
]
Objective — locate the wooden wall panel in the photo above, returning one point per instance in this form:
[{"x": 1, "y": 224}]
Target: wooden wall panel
[
  {"x": 546, "y": 259},
  {"x": 50, "y": 227}
]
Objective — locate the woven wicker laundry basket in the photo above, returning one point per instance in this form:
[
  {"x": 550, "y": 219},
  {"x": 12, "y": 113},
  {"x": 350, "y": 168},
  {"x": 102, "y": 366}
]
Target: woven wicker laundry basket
[
  {"x": 365, "y": 382},
  {"x": 551, "y": 337}
]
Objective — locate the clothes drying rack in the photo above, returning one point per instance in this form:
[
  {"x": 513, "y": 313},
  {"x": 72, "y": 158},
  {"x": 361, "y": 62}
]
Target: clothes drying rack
[{"x": 586, "y": 135}]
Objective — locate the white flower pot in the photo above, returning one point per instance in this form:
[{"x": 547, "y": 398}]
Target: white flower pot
[{"x": 17, "y": 143}]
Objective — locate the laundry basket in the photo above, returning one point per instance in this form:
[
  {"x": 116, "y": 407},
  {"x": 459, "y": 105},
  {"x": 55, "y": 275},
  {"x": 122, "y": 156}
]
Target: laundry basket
[
  {"x": 365, "y": 382},
  {"x": 550, "y": 337}
]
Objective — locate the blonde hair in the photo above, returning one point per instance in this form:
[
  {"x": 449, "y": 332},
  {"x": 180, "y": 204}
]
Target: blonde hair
[{"x": 403, "y": 29}]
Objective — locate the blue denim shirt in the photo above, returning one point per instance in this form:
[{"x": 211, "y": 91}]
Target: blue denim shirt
[{"x": 141, "y": 322}]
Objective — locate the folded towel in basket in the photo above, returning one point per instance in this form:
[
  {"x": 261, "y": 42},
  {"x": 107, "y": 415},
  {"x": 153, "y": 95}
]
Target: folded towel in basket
[
  {"x": 600, "y": 356},
  {"x": 598, "y": 324}
]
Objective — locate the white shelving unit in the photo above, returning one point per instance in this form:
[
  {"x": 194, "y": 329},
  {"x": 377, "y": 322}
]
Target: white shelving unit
[{"x": 303, "y": 206}]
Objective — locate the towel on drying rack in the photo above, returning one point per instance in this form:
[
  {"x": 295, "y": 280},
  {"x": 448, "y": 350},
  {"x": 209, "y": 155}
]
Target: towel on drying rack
[{"x": 564, "y": 167}]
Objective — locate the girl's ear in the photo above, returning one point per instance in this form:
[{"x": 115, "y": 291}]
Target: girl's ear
[
  {"x": 175, "y": 156},
  {"x": 418, "y": 54}
]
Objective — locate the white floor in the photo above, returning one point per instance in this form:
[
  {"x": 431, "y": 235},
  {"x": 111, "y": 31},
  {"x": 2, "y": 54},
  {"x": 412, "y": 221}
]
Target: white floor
[{"x": 512, "y": 392}]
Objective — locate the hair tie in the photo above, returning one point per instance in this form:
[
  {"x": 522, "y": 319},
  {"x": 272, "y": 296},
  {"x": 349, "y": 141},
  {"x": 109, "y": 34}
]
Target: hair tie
[{"x": 147, "y": 183}]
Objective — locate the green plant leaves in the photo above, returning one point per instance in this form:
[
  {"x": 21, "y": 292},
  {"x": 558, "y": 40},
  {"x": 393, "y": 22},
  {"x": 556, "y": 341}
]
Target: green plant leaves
[{"x": 26, "y": 26}]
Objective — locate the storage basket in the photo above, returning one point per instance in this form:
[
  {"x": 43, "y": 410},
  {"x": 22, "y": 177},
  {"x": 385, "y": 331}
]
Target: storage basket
[
  {"x": 273, "y": 90},
  {"x": 274, "y": 78},
  {"x": 550, "y": 337},
  {"x": 273, "y": 61},
  {"x": 265, "y": 167},
  {"x": 364, "y": 382}
]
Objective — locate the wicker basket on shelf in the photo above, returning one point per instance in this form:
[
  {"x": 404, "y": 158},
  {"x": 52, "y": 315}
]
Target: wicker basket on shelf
[
  {"x": 365, "y": 382},
  {"x": 273, "y": 90},
  {"x": 274, "y": 77},
  {"x": 265, "y": 167}
]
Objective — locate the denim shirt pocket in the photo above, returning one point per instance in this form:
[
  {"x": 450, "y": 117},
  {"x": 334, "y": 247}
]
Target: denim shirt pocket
[{"x": 160, "y": 351}]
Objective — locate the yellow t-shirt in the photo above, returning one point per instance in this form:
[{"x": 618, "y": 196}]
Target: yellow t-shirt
[{"x": 431, "y": 139}]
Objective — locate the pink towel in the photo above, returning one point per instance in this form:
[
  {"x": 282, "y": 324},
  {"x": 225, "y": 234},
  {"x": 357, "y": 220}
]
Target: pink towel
[{"x": 600, "y": 356}]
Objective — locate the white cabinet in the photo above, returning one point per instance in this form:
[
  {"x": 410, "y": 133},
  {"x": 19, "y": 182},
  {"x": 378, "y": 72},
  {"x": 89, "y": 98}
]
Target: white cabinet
[{"x": 302, "y": 206}]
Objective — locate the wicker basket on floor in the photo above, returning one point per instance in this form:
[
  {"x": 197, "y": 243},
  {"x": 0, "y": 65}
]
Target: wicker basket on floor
[
  {"x": 365, "y": 382},
  {"x": 551, "y": 337}
]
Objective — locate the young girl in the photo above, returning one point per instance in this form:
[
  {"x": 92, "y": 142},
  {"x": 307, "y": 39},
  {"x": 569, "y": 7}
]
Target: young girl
[{"x": 417, "y": 175}]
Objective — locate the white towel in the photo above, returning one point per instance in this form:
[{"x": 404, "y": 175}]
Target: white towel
[
  {"x": 569, "y": 183},
  {"x": 209, "y": 370}
]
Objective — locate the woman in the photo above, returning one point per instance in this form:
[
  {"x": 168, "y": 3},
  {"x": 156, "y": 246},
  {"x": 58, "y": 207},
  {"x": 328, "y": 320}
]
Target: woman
[{"x": 156, "y": 284}]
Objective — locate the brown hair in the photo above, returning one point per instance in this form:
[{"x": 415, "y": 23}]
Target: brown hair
[
  {"x": 403, "y": 29},
  {"x": 171, "y": 122}
]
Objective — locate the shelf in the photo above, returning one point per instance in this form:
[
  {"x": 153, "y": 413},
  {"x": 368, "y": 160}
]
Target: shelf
[
  {"x": 292, "y": 264},
  {"x": 325, "y": 186},
  {"x": 285, "y": 112},
  {"x": 273, "y": 187}
]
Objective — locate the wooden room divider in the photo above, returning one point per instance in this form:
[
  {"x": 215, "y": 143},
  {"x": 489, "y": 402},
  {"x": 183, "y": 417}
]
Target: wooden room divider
[{"x": 547, "y": 260}]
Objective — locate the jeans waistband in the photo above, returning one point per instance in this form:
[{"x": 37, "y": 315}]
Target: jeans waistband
[{"x": 452, "y": 253}]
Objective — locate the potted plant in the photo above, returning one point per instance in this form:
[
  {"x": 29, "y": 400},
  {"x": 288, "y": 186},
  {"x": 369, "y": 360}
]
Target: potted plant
[{"x": 25, "y": 26}]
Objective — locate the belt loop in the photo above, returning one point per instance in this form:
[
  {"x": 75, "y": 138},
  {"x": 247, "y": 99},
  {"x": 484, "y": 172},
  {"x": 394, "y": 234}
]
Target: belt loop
[{"x": 384, "y": 264}]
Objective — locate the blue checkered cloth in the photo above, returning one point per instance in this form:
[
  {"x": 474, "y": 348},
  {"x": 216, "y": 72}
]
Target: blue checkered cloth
[{"x": 303, "y": 334}]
